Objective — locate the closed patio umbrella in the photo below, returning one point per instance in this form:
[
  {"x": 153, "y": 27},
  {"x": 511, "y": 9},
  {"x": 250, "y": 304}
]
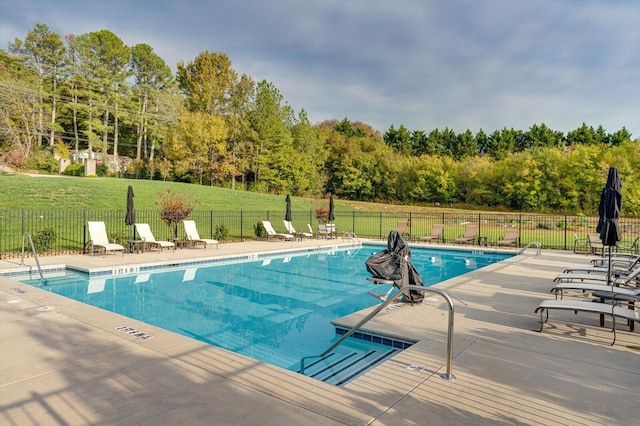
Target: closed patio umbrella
[
  {"x": 332, "y": 216},
  {"x": 609, "y": 213},
  {"x": 130, "y": 218},
  {"x": 287, "y": 214}
]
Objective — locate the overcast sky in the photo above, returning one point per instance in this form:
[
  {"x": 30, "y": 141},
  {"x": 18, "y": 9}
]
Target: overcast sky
[{"x": 479, "y": 64}]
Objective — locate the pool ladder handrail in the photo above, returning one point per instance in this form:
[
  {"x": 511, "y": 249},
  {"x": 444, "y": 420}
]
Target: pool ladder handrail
[
  {"x": 403, "y": 291},
  {"x": 532, "y": 243},
  {"x": 35, "y": 255},
  {"x": 350, "y": 235}
]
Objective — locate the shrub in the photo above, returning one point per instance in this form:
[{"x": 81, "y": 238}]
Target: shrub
[
  {"x": 220, "y": 232},
  {"x": 259, "y": 230},
  {"x": 175, "y": 207},
  {"x": 45, "y": 164},
  {"x": 74, "y": 169},
  {"x": 44, "y": 239},
  {"x": 322, "y": 215}
]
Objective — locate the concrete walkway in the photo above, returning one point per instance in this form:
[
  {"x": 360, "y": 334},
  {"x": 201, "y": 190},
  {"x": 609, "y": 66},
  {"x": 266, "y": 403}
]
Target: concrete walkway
[{"x": 70, "y": 365}]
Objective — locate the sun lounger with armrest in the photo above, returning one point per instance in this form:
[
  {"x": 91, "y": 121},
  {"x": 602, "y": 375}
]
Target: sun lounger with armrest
[
  {"x": 469, "y": 236},
  {"x": 617, "y": 278},
  {"x": 291, "y": 230},
  {"x": 613, "y": 309},
  {"x": 145, "y": 234},
  {"x": 618, "y": 268},
  {"x": 98, "y": 238},
  {"x": 193, "y": 236},
  {"x": 510, "y": 237},
  {"x": 436, "y": 233},
  {"x": 271, "y": 233}
]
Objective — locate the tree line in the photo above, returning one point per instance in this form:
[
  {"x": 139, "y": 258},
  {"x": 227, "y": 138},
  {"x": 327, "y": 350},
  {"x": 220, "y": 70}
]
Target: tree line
[{"x": 209, "y": 125}]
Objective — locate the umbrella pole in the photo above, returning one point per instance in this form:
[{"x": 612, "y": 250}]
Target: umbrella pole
[{"x": 609, "y": 273}]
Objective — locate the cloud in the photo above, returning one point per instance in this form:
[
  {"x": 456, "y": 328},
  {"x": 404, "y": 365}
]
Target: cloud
[{"x": 458, "y": 64}]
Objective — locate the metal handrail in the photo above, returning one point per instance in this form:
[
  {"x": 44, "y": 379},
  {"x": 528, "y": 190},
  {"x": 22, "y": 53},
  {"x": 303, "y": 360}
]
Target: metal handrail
[
  {"x": 532, "y": 243},
  {"x": 402, "y": 291},
  {"x": 35, "y": 255}
]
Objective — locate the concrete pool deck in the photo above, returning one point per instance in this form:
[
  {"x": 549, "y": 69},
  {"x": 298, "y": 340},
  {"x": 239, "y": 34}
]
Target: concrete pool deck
[{"x": 70, "y": 365}]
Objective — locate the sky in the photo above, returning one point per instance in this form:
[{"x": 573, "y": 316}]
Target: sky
[{"x": 476, "y": 64}]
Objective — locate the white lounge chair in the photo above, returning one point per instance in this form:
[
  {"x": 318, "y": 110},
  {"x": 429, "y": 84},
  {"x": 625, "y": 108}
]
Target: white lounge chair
[
  {"x": 98, "y": 238},
  {"x": 614, "y": 310},
  {"x": 291, "y": 230},
  {"x": 193, "y": 237},
  {"x": 145, "y": 234},
  {"x": 271, "y": 233}
]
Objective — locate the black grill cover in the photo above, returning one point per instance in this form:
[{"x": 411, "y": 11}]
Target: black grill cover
[{"x": 394, "y": 264}]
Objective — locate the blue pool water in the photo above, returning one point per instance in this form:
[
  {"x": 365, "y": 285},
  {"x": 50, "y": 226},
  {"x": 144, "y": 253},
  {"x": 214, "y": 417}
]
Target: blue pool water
[{"x": 275, "y": 309}]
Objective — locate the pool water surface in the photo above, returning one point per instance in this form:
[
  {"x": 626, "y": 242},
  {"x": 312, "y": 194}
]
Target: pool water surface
[{"x": 274, "y": 309}]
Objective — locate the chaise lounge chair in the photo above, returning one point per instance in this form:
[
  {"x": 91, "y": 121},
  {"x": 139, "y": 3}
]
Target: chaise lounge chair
[
  {"x": 469, "y": 236},
  {"x": 193, "y": 237},
  {"x": 613, "y": 309},
  {"x": 291, "y": 230},
  {"x": 560, "y": 288},
  {"x": 618, "y": 278},
  {"x": 402, "y": 229},
  {"x": 510, "y": 237},
  {"x": 271, "y": 233},
  {"x": 98, "y": 238},
  {"x": 145, "y": 234},
  {"x": 436, "y": 233},
  {"x": 617, "y": 268},
  {"x": 619, "y": 258}
]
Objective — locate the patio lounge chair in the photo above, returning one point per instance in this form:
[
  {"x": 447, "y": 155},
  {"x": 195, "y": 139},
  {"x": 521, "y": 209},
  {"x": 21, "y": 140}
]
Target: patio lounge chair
[
  {"x": 618, "y": 258},
  {"x": 193, "y": 237},
  {"x": 618, "y": 278},
  {"x": 510, "y": 237},
  {"x": 595, "y": 243},
  {"x": 310, "y": 229},
  {"x": 288, "y": 225},
  {"x": 145, "y": 234},
  {"x": 613, "y": 309},
  {"x": 402, "y": 228},
  {"x": 436, "y": 233},
  {"x": 327, "y": 231},
  {"x": 469, "y": 236},
  {"x": 617, "y": 268},
  {"x": 271, "y": 233},
  {"x": 560, "y": 288},
  {"x": 98, "y": 238}
]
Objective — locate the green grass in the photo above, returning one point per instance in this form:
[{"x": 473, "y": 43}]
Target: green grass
[
  {"x": 53, "y": 192},
  {"x": 72, "y": 194}
]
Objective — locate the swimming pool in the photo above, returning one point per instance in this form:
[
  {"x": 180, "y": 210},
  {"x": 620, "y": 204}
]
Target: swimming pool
[{"x": 276, "y": 309}]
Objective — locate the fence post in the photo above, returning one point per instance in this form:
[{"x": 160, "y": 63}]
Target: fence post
[
  {"x": 353, "y": 221},
  {"x": 241, "y": 226},
  {"x": 380, "y": 227},
  {"x": 565, "y": 232}
]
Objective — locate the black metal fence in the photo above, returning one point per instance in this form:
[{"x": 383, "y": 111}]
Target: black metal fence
[{"x": 56, "y": 232}]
